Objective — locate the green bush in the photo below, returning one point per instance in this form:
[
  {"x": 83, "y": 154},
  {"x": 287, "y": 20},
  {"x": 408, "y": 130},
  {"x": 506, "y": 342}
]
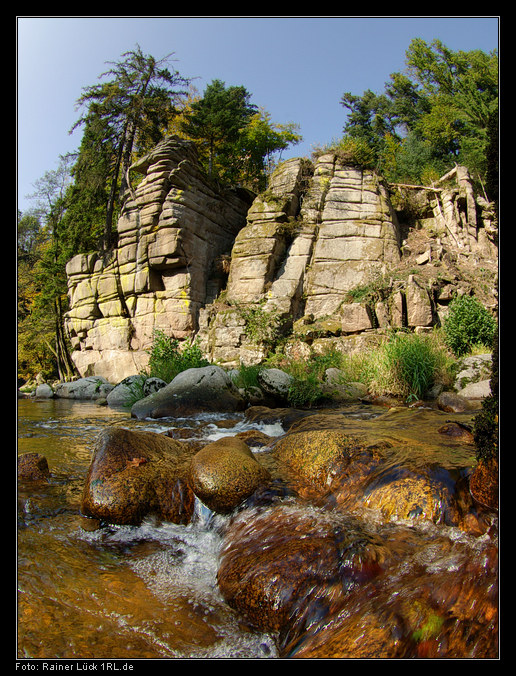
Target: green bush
[
  {"x": 167, "y": 358},
  {"x": 351, "y": 151},
  {"x": 247, "y": 376},
  {"x": 262, "y": 326},
  {"x": 467, "y": 324},
  {"x": 306, "y": 388}
]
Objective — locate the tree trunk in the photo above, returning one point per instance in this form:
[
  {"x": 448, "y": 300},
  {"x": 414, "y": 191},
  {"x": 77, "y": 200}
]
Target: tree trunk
[{"x": 65, "y": 366}]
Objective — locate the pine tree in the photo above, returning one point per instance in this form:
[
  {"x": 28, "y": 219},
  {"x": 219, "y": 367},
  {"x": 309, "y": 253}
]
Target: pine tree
[
  {"x": 217, "y": 119},
  {"x": 123, "y": 114}
]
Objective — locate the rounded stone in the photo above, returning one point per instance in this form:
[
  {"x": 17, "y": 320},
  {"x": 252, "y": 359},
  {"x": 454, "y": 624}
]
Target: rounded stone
[{"x": 225, "y": 473}]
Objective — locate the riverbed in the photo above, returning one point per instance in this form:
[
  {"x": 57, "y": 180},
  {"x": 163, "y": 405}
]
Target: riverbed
[{"x": 150, "y": 592}]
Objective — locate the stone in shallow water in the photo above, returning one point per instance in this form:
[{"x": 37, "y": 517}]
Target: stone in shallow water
[
  {"x": 33, "y": 466},
  {"x": 133, "y": 474},
  {"x": 280, "y": 567},
  {"x": 224, "y": 473}
]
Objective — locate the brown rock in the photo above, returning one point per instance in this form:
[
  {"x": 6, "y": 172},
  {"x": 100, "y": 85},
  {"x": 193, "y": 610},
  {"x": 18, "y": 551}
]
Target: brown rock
[
  {"x": 282, "y": 567},
  {"x": 456, "y": 431},
  {"x": 413, "y": 496},
  {"x": 33, "y": 466},
  {"x": 452, "y": 403},
  {"x": 133, "y": 474},
  {"x": 224, "y": 473},
  {"x": 313, "y": 456},
  {"x": 484, "y": 483}
]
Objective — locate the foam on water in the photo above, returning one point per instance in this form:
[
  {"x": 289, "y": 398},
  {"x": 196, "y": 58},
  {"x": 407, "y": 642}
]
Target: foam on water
[{"x": 182, "y": 570}]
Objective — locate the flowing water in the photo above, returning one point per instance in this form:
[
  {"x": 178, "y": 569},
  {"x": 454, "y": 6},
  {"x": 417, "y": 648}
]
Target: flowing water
[{"x": 150, "y": 592}]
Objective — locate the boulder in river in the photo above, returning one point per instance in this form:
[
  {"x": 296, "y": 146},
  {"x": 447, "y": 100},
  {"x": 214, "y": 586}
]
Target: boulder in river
[
  {"x": 313, "y": 456},
  {"x": 451, "y": 402},
  {"x": 134, "y": 474},
  {"x": 275, "y": 383},
  {"x": 126, "y": 392},
  {"x": 195, "y": 390},
  {"x": 44, "y": 391},
  {"x": 225, "y": 473},
  {"x": 91, "y": 387},
  {"x": 284, "y": 566}
]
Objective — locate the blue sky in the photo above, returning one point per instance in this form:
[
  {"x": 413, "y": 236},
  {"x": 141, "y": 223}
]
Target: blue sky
[{"x": 296, "y": 68}]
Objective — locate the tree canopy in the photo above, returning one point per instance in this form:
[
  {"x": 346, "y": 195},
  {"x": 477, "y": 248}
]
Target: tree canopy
[
  {"x": 442, "y": 109},
  {"x": 122, "y": 115}
]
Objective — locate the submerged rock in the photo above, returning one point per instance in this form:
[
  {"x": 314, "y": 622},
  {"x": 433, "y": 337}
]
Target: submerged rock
[
  {"x": 281, "y": 567},
  {"x": 33, "y": 466},
  {"x": 133, "y": 474},
  {"x": 453, "y": 403},
  {"x": 400, "y": 494},
  {"x": 484, "y": 483},
  {"x": 313, "y": 457},
  {"x": 225, "y": 473}
]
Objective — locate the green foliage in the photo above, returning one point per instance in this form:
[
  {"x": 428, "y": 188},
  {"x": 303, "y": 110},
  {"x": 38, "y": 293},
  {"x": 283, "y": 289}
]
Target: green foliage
[
  {"x": 306, "y": 388},
  {"x": 123, "y": 115},
  {"x": 262, "y": 327},
  {"x": 44, "y": 249},
  {"x": 247, "y": 377},
  {"x": 439, "y": 112},
  {"x": 168, "y": 358},
  {"x": 257, "y": 143},
  {"x": 353, "y": 151},
  {"x": 485, "y": 430},
  {"x": 236, "y": 141},
  {"x": 467, "y": 324},
  {"x": 410, "y": 362},
  {"x": 217, "y": 119},
  {"x": 305, "y": 391},
  {"x": 406, "y": 365},
  {"x": 135, "y": 386}
]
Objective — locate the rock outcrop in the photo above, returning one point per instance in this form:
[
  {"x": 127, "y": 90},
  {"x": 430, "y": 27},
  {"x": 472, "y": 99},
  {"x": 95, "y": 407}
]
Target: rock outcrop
[
  {"x": 325, "y": 255},
  {"x": 163, "y": 269},
  {"x": 327, "y": 251}
]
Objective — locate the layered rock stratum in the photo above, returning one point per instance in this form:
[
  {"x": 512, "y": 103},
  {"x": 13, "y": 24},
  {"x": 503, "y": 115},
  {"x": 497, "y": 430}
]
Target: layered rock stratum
[{"x": 328, "y": 252}]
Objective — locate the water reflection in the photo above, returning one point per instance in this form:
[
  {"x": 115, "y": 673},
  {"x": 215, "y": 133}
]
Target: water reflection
[
  {"x": 147, "y": 592},
  {"x": 151, "y": 591}
]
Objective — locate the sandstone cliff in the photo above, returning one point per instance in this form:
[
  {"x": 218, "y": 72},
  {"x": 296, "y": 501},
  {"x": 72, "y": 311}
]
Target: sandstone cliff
[
  {"x": 327, "y": 252},
  {"x": 170, "y": 233}
]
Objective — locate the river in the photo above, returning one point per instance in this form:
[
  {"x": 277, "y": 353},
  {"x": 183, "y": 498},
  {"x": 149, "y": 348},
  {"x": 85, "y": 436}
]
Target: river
[{"x": 150, "y": 592}]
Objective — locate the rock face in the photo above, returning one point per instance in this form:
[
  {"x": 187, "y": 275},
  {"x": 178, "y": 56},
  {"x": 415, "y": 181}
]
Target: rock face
[
  {"x": 192, "y": 259},
  {"x": 163, "y": 269}
]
